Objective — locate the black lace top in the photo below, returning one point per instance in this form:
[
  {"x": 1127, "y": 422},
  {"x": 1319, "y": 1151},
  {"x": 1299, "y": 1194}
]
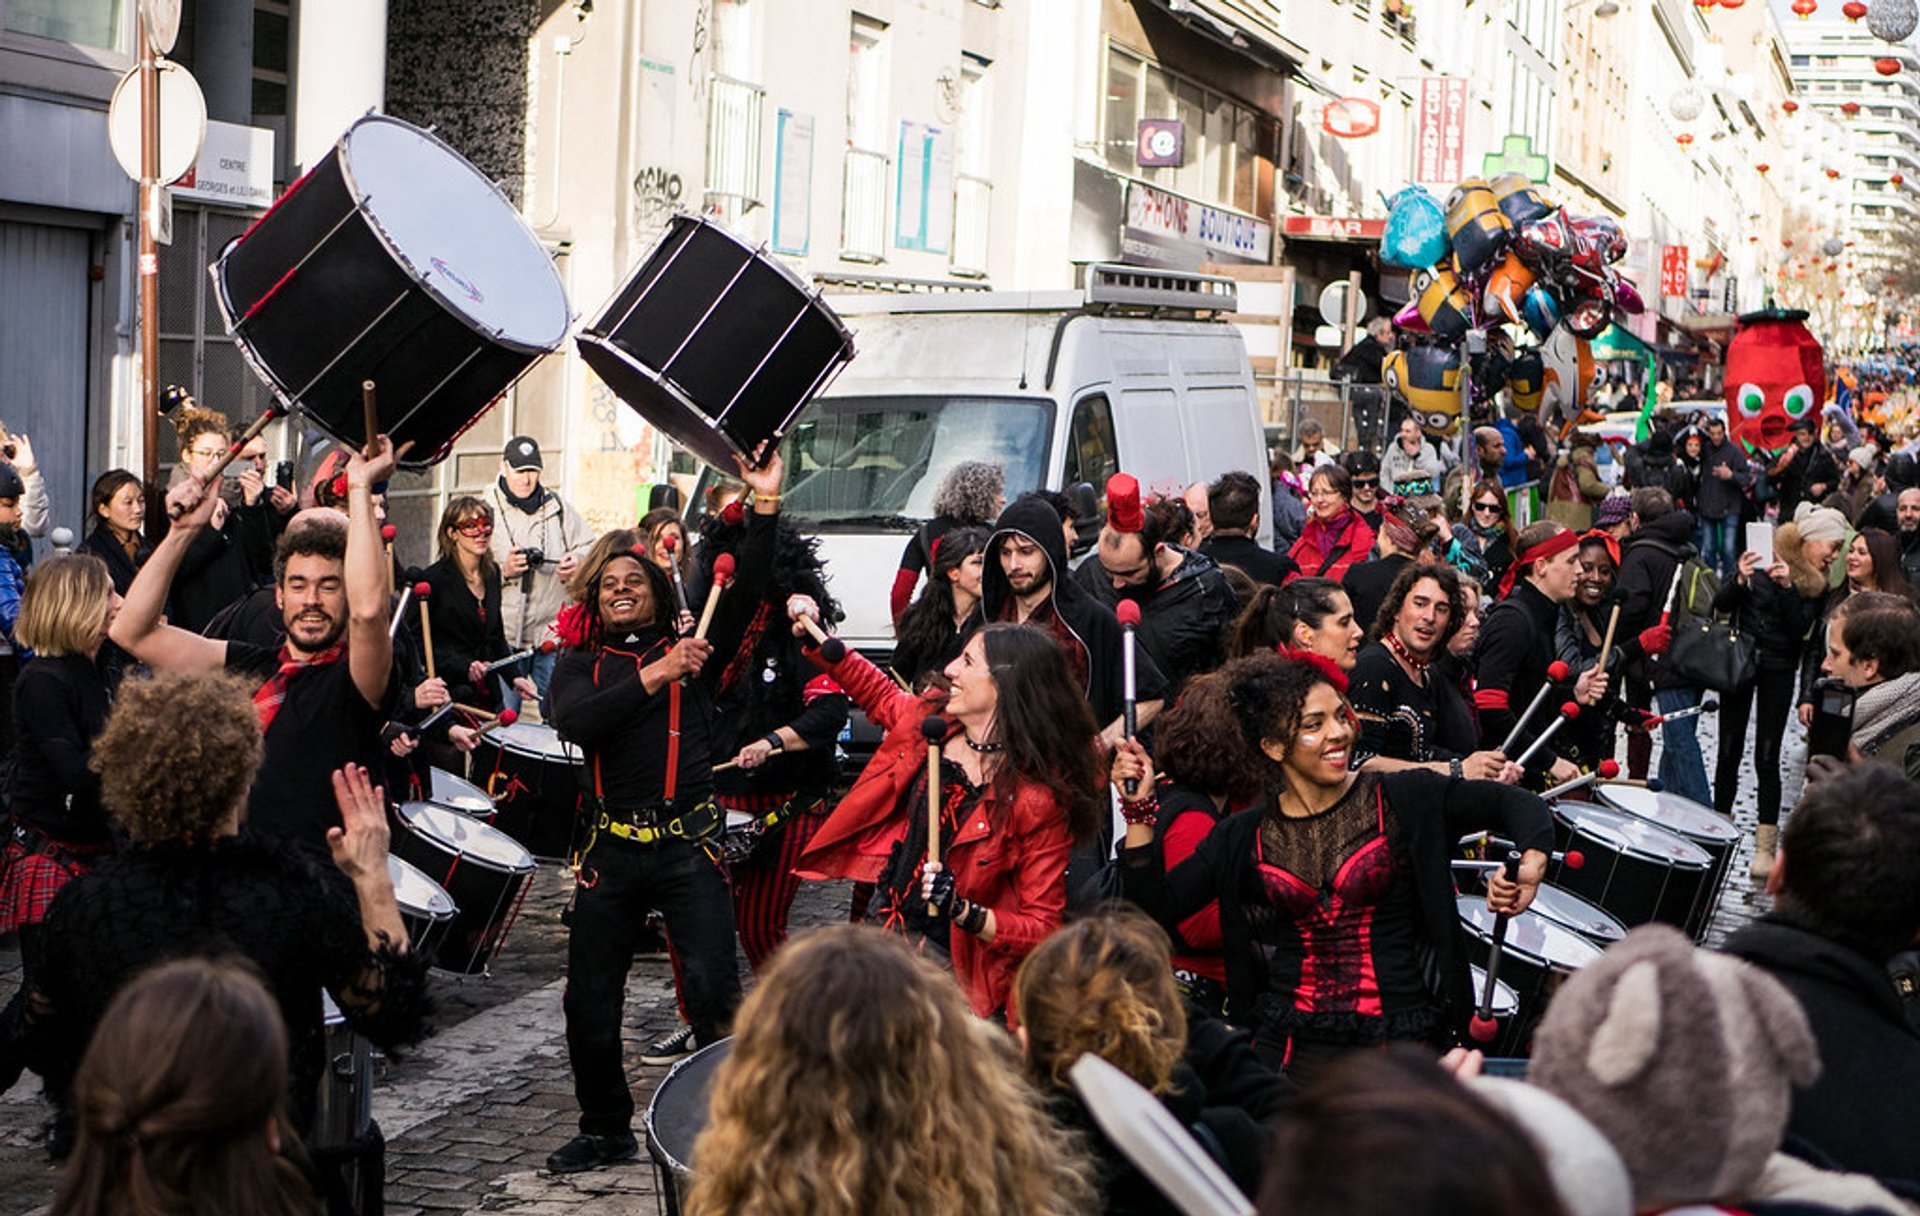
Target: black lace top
[{"x": 298, "y": 923}]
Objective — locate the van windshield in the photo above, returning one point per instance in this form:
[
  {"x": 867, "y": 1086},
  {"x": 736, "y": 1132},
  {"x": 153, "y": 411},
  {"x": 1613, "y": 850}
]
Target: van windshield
[{"x": 867, "y": 461}]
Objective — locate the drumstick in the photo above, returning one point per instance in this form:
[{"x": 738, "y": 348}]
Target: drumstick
[
  {"x": 400, "y": 611},
  {"x": 1573, "y": 858},
  {"x": 832, "y": 649},
  {"x": 1127, "y": 612},
  {"x": 1606, "y": 644},
  {"x": 387, "y": 533},
  {"x": 421, "y": 591},
  {"x": 670, "y": 542},
  {"x": 1608, "y": 770},
  {"x": 1705, "y": 707},
  {"x": 372, "y": 412},
  {"x": 247, "y": 436},
  {"x": 722, "y": 575},
  {"x": 1556, "y": 672},
  {"x": 507, "y": 718},
  {"x": 485, "y": 715},
  {"x": 1482, "y": 1027},
  {"x": 520, "y": 656},
  {"x": 724, "y": 765},
  {"x": 933, "y": 728},
  {"x": 1568, "y": 712}
]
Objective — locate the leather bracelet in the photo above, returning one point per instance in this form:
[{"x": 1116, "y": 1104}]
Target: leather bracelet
[
  {"x": 1140, "y": 812},
  {"x": 773, "y": 741},
  {"x": 969, "y": 916}
]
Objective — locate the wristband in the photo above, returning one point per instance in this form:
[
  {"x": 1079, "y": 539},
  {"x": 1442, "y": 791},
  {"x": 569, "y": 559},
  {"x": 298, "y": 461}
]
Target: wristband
[
  {"x": 1140, "y": 812},
  {"x": 969, "y": 916},
  {"x": 1455, "y": 769},
  {"x": 773, "y": 741}
]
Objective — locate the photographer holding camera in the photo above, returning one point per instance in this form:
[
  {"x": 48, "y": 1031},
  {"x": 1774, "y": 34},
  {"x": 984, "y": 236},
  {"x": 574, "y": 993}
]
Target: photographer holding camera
[{"x": 538, "y": 539}]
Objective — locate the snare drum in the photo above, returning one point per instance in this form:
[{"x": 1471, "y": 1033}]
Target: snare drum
[
  {"x": 1506, "y": 1008},
  {"x": 343, "y": 1109},
  {"x": 1634, "y": 870},
  {"x": 715, "y": 343},
  {"x": 1569, "y": 911},
  {"x": 425, "y": 908},
  {"x": 676, "y": 1117},
  {"x": 484, "y": 871},
  {"x": 456, "y": 794},
  {"x": 1536, "y": 958},
  {"x": 1689, "y": 820},
  {"x": 534, "y": 779},
  {"x": 393, "y": 260}
]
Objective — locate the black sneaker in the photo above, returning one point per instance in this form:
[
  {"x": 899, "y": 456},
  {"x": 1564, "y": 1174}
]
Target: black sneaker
[
  {"x": 585, "y": 1152},
  {"x": 675, "y": 1047}
]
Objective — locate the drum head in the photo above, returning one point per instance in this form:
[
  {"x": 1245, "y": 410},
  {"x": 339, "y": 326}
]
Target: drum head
[
  {"x": 536, "y": 739},
  {"x": 1530, "y": 936},
  {"x": 330, "y": 1013},
  {"x": 1569, "y": 911},
  {"x": 1506, "y": 1002},
  {"x": 678, "y": 1112},
  {"x": 1670, "y": 811},
  {"x": 472, "y": 840},
  {"x": 461, "y": 795},
  {"x": 1632, "y": 836},
  {"x": 416, "y": 893},
  {"x": 456, "y": 232}
]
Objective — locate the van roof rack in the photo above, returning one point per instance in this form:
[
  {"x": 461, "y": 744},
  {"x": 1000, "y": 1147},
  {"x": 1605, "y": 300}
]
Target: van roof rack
[
  {"x": 1143, "y": 287},
  {"x": 896, "y": 286}
]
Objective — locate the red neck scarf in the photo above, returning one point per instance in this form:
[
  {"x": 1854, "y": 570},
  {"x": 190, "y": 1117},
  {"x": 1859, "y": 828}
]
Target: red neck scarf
[
  {"x": 271, "y": 695},
  {"x": 1553, "y": 546}
]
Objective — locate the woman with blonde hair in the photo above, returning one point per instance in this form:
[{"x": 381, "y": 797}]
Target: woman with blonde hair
[
  {"x": 164, "y": 1133},
  {"x": 1104, "y": 984},
  {"x": 60, "y": 705},
  {"x": 859, "y": 1082}
]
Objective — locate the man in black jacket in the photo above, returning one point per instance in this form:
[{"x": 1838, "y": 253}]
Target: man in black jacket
[
  {"x": 1234, "y": 503},
  {"x": 1907, "y": 516},
  {"x": 1648, "y": 561},
  {"x": 1804, "y": 472},
  {"x": 1846, "y": 892},
  {"x": 1026, "y": 581}
]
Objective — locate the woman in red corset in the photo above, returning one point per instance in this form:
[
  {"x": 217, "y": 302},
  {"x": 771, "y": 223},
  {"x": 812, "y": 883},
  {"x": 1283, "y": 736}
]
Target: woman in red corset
[
  {"x": 1337, "y": 920},
  {"x": 1019, "y": 782}
]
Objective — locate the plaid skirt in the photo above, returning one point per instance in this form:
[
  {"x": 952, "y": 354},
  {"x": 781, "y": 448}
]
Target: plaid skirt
[{"x": 31, "y": 876}]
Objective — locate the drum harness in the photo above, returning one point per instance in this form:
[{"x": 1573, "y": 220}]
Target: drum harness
[{"x": 700, "y": 826}]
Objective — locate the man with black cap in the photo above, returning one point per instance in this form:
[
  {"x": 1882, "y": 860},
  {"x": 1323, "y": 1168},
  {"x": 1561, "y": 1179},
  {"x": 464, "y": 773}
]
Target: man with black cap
[{"x": 538, "y": 540}]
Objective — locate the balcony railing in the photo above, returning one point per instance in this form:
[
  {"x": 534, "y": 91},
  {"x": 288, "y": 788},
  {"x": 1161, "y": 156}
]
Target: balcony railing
[
  {"x": 863, "y": 207},
  {"x": 733, "y": 139},
  {"x": 972, "y": 208}
]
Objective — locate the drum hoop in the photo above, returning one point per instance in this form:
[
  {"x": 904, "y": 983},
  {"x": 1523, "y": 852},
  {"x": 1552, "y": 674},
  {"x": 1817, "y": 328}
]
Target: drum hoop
[
  {"x": 1513, "y": 946},
  {"x": 1606, "y": 833},
  {"x": 655, "y": 1147},
  {"x": 433, "y": 912},
  {"x": 361, "y": 204},
  {"x": 452, "y": 849},
  {"x": 1625, "y": 848}
]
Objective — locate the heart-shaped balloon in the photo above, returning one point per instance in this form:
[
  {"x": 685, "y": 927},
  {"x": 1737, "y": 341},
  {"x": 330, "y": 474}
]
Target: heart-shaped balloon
[{"x": 1416, "y": 232}]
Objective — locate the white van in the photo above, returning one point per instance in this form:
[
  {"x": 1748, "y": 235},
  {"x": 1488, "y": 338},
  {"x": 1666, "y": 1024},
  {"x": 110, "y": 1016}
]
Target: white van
[{"x": 1140, "y": 372}]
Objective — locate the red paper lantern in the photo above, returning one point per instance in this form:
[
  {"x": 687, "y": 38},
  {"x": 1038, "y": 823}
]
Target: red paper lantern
[
  {"x": 1804, "y": 9},
  {"x": 1787, "y": 241},
  {"x": 1762, "y": 168},
  {"x": 1732, "y": 3},
  {"x": 1683, "y": 139},
  {"x": 1853, "y": 10},
  {"x": 1833, "y": 173},
  {"x": 1790, "y": 105},
  {"x": 1888, "y": 66},
  {"x": 1898, "y": 179},
  {"x": 1850, "y": 108}
]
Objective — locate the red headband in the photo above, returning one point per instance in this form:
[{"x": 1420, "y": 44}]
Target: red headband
[
  {"x": 1607, "y": 539},
  {"x": 1553, "y": 546},
  {"x": 1319, "y": 662},
  {"x": 1123, "y": 503}
]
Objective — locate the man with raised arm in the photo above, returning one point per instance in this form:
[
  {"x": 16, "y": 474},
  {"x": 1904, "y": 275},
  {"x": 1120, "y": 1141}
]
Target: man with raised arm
[{"x": 323, "y": 693}]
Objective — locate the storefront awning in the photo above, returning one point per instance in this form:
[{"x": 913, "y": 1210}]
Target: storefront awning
[{"x": 1617, "y": 343}]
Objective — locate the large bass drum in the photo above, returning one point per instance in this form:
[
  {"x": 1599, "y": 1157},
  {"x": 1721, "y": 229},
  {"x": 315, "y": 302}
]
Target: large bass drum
[{"x": 393, "y": 260}]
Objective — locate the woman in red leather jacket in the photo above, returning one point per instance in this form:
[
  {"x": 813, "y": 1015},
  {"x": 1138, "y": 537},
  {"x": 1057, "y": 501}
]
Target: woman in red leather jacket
[{"x": 1019, "y": 782}]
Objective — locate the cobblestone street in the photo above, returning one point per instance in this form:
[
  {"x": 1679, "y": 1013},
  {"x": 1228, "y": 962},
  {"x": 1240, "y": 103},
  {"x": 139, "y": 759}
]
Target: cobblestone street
[{"x": 471, "y": 1115}]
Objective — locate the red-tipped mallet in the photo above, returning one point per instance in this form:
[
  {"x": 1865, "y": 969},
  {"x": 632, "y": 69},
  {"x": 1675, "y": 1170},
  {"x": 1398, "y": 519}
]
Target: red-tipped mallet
[
  {"x": 1128, "y": 613},
  {"x": 1556, "y": 673},
  {"x": 1606, "y": 643},
  {"x": 933, "y": 728},
  {"x": 421, "y": 591},
  {"x": 722, "y": 575},
  {"x": 387, "y": 533},
  {"x": 1483, "y": 1027},
  {"x": 1680, "y": 715},
  {"x": 832, "y": 649},
  {"x": 1607, "y": 771},
  {"x": 507, "y": 718},
  {"x": 1568, "y": 712},
  {"x": 670, "y": 543}
]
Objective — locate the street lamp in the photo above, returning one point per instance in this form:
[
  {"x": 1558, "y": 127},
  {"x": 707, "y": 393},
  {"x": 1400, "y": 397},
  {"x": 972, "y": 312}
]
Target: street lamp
[{"x": 1603, "y": 10}]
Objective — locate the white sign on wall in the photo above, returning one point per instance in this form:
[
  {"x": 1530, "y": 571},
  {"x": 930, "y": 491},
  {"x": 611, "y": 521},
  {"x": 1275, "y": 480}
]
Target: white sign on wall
[{"x": 235, "y": 166}]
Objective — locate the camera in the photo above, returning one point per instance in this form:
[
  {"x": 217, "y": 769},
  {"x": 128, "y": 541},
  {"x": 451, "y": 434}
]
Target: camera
[
  {"x": 283, "y": 474},
  {"x": 535, "y": 559},
  {"x": 173, "y": 397}
]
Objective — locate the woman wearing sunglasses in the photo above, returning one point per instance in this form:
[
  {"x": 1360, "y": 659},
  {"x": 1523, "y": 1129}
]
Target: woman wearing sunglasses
[
  {"x": 465, "y": 606},
  {"x": 1485, "y": 537}
]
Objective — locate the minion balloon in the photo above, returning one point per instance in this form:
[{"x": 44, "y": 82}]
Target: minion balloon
[
  {"x": 1478, "y": 228},
  {"x": 1428, "y": 378},
  {"x": 1442, "y": 302}
]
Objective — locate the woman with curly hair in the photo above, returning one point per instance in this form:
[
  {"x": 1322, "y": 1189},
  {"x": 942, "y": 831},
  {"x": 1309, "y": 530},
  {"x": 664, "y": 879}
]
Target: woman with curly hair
[
  {"x": 162, "y": 1133},
  {"x": 1305, "y": 616},
  {"x": 1018, "y": 785},
  {"x": 231, "y": 554},
  {"x": 176, "y": 761},
  {"x": 971, "y": 495},
  {"x": 859, "y": 1083},
  {"x": 1104, "y": 985},
  {"x": 1337, "y": 915},
  {"x": 946, "y": 612}
]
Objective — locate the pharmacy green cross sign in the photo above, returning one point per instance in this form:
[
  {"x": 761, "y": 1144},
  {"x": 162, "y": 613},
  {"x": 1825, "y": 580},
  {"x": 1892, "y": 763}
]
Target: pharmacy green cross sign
[{"x": 1517, "y": 156}]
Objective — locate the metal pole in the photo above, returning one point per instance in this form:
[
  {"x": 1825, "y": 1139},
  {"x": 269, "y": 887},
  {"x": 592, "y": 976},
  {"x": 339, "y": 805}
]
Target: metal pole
[{"x": 149, "y": 260}]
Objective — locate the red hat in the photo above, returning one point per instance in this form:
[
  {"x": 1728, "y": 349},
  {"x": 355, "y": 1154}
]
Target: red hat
[{"x": 1123, "y": 503}]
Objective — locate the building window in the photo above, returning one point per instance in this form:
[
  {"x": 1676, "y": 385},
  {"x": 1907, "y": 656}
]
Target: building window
[
  {"x": 96, "y": 23},
  {"x": 1224, "y": 138},
  {"x": 863, "y": 208},
  {"x": 972, "y": 177},
  {"x": 734, "y": 109},
  {"x": 271, "y": 39}
]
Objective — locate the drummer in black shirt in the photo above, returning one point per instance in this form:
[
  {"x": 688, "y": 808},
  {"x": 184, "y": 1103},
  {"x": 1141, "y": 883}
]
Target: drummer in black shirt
[
  {"x": 325, "y": 692},
  {"x": 1411, "y": 716},
  {"x": 636, "y": 698}
]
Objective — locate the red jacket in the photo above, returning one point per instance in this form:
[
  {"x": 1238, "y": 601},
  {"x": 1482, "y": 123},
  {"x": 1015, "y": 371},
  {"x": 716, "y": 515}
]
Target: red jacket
[
  {"x": 1319, "y": 541},
  {"x": 1017, "y": 868}
]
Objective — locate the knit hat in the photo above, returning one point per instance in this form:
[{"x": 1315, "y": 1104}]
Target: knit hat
[
  {"x": 1864, "y": 455},
  {"x": 1587, "y": 1173},
  {"x": 1613, "y": 509},
  {"x": 1684, "y": 1059},
  {"x": 1820, "y": 523}
]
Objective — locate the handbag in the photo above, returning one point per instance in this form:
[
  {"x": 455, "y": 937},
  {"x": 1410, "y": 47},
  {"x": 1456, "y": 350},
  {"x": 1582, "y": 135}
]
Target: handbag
[{"x": 1710, "y": 652}]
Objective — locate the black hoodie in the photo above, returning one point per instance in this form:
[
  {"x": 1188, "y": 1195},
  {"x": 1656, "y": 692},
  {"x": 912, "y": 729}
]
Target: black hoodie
[{"x": 1092, "y": 624}]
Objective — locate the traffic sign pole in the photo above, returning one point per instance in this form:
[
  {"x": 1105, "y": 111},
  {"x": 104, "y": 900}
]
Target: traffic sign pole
[{"x": 149, "y": 261}]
